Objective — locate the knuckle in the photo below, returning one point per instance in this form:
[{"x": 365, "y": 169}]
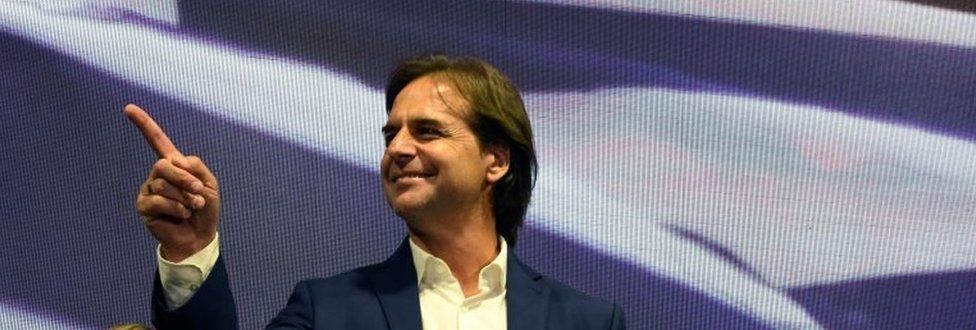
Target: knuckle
[
  {"x": 188, "y": 180},
  {"x": 160, "y": 165},
  {"x": 165, "y": 206},
  {"x": 177, "y": 208},
  {"x": 150, "y": 203},
  {"x": 157, "y": 185},
  {"x": 160, "y": 204},
  {"x": 187, "y": 197},
  {"x": 142, "y": 205}
]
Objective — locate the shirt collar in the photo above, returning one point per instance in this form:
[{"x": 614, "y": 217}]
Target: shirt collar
[{"x": 493, "y": 275}]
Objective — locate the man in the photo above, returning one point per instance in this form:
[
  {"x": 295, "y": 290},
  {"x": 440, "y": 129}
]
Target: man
[{"x": 459, "y": 168}]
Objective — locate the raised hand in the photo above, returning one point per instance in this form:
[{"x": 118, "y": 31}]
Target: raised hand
[{"x": 178, "y": 201}]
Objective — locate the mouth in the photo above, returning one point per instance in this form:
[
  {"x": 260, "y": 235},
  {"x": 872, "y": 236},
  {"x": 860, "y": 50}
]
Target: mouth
[{"x": 410, "y": 176}]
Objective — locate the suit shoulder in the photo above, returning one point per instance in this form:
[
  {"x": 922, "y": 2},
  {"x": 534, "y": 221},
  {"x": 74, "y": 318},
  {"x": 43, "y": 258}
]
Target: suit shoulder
[
  {"x": 562, "y": 293},
  {"x": 584, "y": 311},
  {"x": 337, "y": 302},
  {"x": 351, "y": 282}
]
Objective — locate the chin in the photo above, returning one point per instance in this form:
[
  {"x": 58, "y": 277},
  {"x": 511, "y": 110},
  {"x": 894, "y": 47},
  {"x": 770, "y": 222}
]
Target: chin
[
  {"x": 407, "y": 214},
  {"x": 405, "y": 206}
]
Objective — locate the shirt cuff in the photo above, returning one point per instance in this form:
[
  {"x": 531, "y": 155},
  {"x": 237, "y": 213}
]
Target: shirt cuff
[{"x": 181, "y": 280}]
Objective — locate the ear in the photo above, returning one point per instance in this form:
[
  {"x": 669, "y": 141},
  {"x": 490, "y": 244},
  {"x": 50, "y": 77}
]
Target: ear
[{"x": 497, "y": 158}]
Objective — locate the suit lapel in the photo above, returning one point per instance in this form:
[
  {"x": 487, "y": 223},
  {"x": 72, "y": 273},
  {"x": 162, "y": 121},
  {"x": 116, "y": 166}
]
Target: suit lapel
[
  {"x": 395, "y": 282},
  {"x": 527, "y": 298}
]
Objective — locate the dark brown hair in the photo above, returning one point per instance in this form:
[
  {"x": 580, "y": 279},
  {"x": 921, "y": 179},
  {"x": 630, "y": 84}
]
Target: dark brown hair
[{"x": 497, "y": 116}]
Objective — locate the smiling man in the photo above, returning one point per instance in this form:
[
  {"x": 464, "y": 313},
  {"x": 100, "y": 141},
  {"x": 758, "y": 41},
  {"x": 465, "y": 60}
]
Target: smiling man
[{"x": 459, "y": 168}]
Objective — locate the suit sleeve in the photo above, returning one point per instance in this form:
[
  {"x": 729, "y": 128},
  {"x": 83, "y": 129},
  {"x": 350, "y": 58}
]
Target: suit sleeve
[
  {"x": 211, "y": 307},
  {"x": 617, "y": 319},
  {"x": 298, "y": 313},
  {"x": 181, "y": 280}
]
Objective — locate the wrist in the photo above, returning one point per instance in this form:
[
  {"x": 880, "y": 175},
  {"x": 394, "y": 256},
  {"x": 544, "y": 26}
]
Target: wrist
[{"x": 176, "y": 254}]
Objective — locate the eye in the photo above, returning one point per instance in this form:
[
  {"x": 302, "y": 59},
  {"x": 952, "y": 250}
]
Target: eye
[
  {"x": 389, "y": 135},
  {"x": 429, "y": 133}
]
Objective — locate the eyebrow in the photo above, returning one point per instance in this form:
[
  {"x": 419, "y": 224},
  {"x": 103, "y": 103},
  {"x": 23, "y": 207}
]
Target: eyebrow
[{"x": 422, "y": 122}]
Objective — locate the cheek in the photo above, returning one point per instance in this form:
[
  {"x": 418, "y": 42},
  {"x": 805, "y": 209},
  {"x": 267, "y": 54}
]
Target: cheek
[
  {"x": 384, "y": 164},
  {"x": 468, "y": 166}
]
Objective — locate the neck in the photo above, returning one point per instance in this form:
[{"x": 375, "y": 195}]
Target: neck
[{"x": 466, "y": 244}]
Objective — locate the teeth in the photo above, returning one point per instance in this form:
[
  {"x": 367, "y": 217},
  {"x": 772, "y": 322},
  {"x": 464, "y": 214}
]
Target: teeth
[{"x": 411, "y": 176}]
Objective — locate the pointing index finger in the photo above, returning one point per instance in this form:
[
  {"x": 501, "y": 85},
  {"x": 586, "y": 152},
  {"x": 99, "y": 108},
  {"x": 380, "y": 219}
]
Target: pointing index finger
[{"x": 154, "y": 135}]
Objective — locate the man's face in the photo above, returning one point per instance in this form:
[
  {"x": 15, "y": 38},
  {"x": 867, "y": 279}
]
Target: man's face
[{"x": 433, "y": 164}]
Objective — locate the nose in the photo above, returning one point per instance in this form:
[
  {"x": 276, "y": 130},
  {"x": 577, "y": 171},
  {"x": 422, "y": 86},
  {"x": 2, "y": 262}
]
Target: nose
[{"x": 402, "y": 148}]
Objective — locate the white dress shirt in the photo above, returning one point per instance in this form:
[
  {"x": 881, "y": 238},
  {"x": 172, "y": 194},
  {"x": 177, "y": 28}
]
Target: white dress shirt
[
  {"x": 182, "y": 279},
  {"x": 442, "y": 302}
]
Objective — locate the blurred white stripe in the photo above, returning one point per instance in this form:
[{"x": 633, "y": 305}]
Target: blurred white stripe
[
  {"x": 15, "y": 318},
  {"x": 879, "y": 18},
  {"x": 802, "y": 194},
  {"x": 164, "y": 11}
]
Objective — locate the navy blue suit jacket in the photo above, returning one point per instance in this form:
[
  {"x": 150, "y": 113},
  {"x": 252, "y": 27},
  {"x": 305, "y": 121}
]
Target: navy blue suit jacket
[{"x": 385, "y": 296}]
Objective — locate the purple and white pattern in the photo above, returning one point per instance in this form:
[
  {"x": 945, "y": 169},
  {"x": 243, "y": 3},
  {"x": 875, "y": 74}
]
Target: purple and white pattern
[{"x": 782, "y": 164}]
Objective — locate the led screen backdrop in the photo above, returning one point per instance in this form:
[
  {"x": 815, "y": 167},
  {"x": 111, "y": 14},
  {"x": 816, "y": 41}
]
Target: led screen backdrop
[{"x": 705, "y": 164}]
